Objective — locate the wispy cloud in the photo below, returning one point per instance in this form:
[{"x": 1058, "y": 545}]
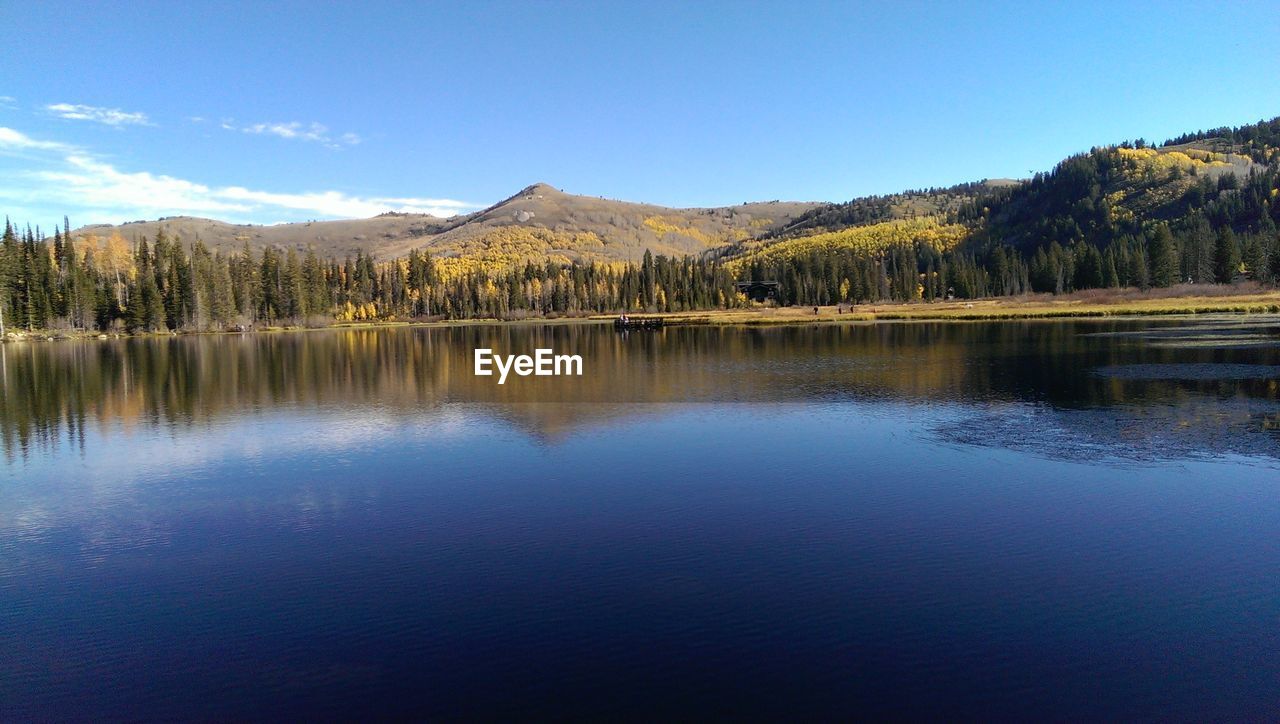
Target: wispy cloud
[
  {"x": 76, "y": 180},
  {"x": 8, "y": 102},
  {"x": 16, "y": 140},
  {"x": 97, "y": 114},
  {"x": 296, "y": 131}
]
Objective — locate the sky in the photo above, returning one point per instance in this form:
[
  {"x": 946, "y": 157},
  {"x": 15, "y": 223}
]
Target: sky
[{"x": 287, "y": 111}]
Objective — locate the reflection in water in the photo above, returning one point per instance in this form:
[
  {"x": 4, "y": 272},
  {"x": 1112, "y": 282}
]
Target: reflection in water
[
  {"x": 1195, "y": 427},
  {"x": 1212, "y": 372},
  {"x": 1133, "y": 383},
  {"x": 710, "y": 523}
]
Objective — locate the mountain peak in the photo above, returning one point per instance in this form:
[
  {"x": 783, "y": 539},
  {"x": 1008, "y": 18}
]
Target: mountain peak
[{"x": 538, "y": 188}]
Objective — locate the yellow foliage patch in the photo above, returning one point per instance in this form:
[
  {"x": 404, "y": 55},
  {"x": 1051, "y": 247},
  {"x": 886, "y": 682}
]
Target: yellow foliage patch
[
  {"x": 663, "y": 225},
  {"x": 1150, "y": 163},
  {"x": 502, "y": 248},
  {"x": 870, "y": 239}
]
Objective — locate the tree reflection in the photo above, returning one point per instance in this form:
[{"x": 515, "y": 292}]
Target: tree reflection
[{"x": 53, "y": 391}]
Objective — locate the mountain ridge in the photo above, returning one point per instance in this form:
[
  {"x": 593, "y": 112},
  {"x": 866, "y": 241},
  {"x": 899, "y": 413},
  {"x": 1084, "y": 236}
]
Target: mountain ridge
[
  {"x": 1109, "y": 193},
  {"x": 568, "y": 226}
]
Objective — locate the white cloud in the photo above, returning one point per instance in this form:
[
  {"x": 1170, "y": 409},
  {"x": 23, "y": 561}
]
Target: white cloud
[
  {"x": 99, "y": 185},
  {"x": 337, "y": 204},
  {"x": 108, "y": 116},
  {"x": 8, "y": 101},
  {"x": 314, "y": 132},
  {"x": 296, "y": 131},
  {"x": 74, "y": 180},
  {"x": 11, "y": 139}
]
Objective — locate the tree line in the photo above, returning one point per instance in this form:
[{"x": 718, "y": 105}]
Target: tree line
[
  {"x": 1158, "y": 257},
  {"x": 1059, "y": 232},
  {"x": 87, "y": 283}
]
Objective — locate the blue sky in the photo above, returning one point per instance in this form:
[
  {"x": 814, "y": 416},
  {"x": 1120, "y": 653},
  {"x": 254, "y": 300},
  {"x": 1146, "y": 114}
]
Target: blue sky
[{"x": 286, "y": 111}]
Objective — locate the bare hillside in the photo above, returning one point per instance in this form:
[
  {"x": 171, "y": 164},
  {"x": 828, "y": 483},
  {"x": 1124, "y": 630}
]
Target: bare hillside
[
  {"x": 328, "y": 238},
  {"x": 539, "y": 221}
]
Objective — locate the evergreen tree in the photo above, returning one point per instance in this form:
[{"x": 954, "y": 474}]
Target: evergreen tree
[
  {"x": 1163, "y": 256},
  {"x": 1226, "y": 255},
  {"x": 1255, "y": 257}
]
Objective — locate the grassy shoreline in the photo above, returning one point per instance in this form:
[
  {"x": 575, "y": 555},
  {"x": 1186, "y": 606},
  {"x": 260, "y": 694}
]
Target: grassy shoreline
[
  {"x": 1012, "y": 308},
  {"x": 1128, "y": 303}
]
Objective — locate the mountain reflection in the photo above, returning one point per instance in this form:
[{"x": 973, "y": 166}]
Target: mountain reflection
[{"x": 1006, "y": 376}]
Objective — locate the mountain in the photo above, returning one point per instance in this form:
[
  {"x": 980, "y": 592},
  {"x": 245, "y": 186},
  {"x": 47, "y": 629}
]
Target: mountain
[
  {"x": 1191, "y": 185},
  {"x": 905, "y": 205},
  {"x": 1202, "y": 209},
  {"x": 1108, "y": 192},
  {"x": 539, "y": 222},
  {"x": 328, "y": 238},
  {"x": 1226, "y": 178}
]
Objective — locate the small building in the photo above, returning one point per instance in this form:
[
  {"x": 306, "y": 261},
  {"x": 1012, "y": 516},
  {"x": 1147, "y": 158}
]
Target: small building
[{"x": 759, "y": 291}]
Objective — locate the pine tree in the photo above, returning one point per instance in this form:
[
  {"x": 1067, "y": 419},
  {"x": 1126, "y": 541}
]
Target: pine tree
[
  {"x": 1201, "y": 266},
  {"x": 222, "y": 300},
  {"x": 9, "y": 255},
  {"x": 1226, "y": 255},
  {"x": 1163, "y": 256},
  {"x": 1274, "y": 259},
  {"x": 1255, "y": 257},
  {"x": 647, "y": 280}
]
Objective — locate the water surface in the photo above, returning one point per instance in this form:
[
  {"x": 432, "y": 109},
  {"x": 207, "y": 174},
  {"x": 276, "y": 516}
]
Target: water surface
[{"x": 1061, "y": 519}]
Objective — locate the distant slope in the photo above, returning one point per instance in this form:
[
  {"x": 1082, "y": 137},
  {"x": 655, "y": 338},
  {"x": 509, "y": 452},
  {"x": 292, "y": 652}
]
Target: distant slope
[
  {"x": 857, "y": 240},
  {"x": 1259, "y": 141},
  {"x": 1225, "y": 177},
  {"x": 905, "y": 205},
  {"x": 328, "y": 238},
  {"x": 870, "y": 225},
  {"x": 1098, "y": 196},
  {"x": 539, "y": 222}
]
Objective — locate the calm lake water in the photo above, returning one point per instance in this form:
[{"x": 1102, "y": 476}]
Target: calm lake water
[{"x": 1064, "y": 520}]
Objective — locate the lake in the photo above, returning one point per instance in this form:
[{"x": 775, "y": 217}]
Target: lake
[{"x": 1052, "y": 519}]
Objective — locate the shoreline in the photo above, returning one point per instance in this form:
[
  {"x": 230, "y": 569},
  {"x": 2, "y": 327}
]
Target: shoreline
[
  {"x": 991, "y": 309},
  {"x": 1045, "y": 307}
]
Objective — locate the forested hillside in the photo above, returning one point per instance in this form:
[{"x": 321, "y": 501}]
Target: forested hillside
[
  {"x": 1201, "y": 208},
  {"x": 1259, "y": 141},
  {"x": 874, "y": 209}
]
